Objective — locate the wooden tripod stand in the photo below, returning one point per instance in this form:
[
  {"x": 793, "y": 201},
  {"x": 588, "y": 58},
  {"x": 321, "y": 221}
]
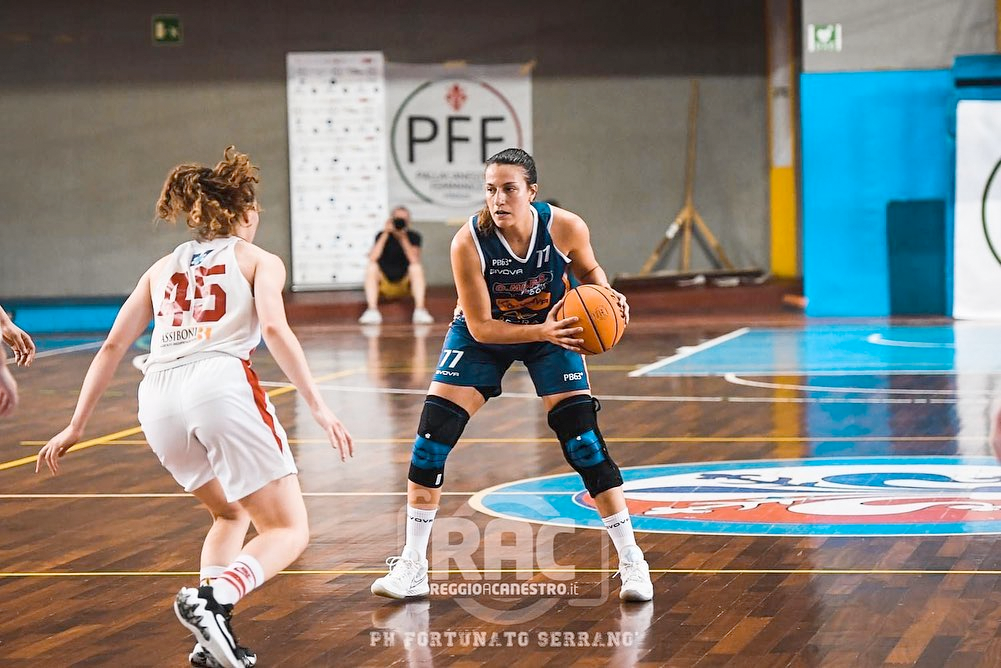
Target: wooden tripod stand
[{"x": 688, "y": 219}]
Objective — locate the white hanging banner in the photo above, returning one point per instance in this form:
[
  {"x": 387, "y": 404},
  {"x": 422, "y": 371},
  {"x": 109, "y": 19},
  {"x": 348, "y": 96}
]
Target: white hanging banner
[
  {"x": 977, "y": 259},
  {"x": 444, "y": 121},
  {"x": 337, "y": 170}
]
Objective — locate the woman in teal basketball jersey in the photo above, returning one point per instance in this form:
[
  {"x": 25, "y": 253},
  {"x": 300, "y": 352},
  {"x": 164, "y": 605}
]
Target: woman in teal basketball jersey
[{"x": 509, "y": 264}]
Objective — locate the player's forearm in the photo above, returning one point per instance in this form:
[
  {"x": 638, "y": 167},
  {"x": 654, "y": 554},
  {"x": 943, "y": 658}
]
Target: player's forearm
[
  {"x": 98, "y": 377},
  {"x": 285, "y": 348},
  {"x": 498, "y": 331},
  {"x": 595, "y": 276}
]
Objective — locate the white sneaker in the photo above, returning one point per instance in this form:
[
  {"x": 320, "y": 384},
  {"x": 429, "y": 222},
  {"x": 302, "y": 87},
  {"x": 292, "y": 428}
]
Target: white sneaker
[
  {"x": 636, "y": 585},
  {"x": 422, "y": 317},
  {"x": 209, "y": 621},
  {"x": 371, "y": 316},
  {"x": 406, "y": 578}
]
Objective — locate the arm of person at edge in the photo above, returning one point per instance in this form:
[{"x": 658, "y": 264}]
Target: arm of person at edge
[
  {"x": 570, "y": 232},
  {"x": 18, "y": 340},
  {"x": 267, "y": 275},
  {"x": 130, "y": 323},
  {"x": 8, "y": 386},
  {"x": 474, "y": 302}
]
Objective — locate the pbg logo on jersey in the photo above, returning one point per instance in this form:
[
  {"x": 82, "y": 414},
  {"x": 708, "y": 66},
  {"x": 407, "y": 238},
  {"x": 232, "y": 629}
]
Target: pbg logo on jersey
[
  {"x": 443, "y": 132},
  {"x": 853, "y": 496}
]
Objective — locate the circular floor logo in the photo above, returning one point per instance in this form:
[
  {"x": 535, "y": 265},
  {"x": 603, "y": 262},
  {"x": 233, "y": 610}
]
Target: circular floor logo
[{"x": 850, "y": 496}]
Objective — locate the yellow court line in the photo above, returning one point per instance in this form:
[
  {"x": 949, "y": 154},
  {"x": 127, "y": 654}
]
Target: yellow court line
[
  {"x": 637, "y": 439},
  {"x": 101, "y": 440},
  {"x": 107, "y": 439},
  {"x": 532, "y": 571}
]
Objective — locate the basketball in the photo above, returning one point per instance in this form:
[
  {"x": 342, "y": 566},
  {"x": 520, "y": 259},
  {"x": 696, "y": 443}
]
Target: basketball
[{"x": 597, "y": 311}]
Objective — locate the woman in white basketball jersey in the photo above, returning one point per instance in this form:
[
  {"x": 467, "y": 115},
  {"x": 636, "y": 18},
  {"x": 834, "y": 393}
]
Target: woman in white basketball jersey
[{"x": 200, "y": 404}]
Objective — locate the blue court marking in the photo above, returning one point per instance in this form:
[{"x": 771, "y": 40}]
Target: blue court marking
[
  {"x": 841, "y": 349},
  {"x": 845, "y": 496}
]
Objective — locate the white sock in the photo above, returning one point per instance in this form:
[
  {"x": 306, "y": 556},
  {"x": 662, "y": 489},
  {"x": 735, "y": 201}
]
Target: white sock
[
  {"x": 209, "y": 573},
  {"x": 620, "y": 530},
  {"x": 239, "y": 579},
  {"x": 418, "y": 533}
]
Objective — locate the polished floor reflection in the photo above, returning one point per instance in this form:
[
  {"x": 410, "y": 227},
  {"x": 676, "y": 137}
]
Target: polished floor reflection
[{"x": 807, "y": 495}]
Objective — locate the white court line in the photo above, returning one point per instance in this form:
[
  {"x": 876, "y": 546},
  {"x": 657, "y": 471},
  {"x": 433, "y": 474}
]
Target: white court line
[
  {"x": 658, "y": 398},
  {"x": 737, "y": 380},
  {"x": 70, "y": 349},
  {"x": 851, "y": 400},
  {"x": 688, "y": 351},
  {"x": 878, "y": 340},
  {"x": 507, "y": 395}
]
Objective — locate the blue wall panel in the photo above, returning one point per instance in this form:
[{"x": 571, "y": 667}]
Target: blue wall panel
[
  {"x": 868, "y": 138},
  {"x": 54, "y": 316}
]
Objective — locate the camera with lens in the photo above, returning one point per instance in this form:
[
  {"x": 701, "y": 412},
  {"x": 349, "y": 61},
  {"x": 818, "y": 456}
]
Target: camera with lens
[{"x": 399, "y": 223}]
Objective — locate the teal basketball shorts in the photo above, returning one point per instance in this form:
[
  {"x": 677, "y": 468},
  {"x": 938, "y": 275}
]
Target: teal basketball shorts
[{"x": 466, "y": 362}]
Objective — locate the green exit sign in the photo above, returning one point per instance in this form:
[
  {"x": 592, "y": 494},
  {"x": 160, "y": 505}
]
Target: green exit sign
[{"x": 167, "y": 29}]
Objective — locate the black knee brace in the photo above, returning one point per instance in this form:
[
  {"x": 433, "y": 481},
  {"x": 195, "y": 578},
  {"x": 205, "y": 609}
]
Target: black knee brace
[
  {"x": 575, "y": 421},
  {"x": 441, "y": 425}
]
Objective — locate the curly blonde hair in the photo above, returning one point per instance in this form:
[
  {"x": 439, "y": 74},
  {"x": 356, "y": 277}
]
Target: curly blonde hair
[{"x": 214, "y": 200}]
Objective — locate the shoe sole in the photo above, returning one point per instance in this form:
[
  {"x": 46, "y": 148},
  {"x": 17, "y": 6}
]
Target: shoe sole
[
  {"x": 203, "y": 660},
  {"x": 184, "y": 611},
  {"x": 380, "y": 590},
  {"x": 634, "y": 596}
]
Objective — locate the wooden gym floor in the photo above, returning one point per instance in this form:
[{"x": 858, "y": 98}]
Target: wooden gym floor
[{"x": 91, "y": 559}]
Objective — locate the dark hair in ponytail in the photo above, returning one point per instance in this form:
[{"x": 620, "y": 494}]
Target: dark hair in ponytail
[{"x": 509, "y": 156}]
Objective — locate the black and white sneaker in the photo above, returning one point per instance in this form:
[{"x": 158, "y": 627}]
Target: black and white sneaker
[
  {"x": 200, "y": 657},
  {"x": 208, "y": 620}
]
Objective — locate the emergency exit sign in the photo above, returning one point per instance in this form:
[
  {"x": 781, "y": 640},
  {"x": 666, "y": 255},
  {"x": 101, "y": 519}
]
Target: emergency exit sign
[
  {"x": 167, "y": 29},
  {"x": 823, "y": 37}
]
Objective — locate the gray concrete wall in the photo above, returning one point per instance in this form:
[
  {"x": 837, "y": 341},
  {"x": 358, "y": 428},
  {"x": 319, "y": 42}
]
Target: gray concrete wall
[
  {"x": 899, "y": 34},
  {"x": 92, "y": 116}
]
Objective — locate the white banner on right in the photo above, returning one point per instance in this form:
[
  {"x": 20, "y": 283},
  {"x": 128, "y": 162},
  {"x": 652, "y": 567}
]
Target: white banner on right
[{"x": 977, "y": 265}]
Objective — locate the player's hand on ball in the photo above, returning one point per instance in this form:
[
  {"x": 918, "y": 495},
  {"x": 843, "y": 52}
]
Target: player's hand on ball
[
  {"x": 623, "y": 304},
  {"x": 564, "y": 333},
  {"x": 56, "y": 448},
  {"x": 336, "y": 432}
]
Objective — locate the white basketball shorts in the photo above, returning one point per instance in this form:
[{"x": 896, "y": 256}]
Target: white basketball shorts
[{"x": 210, "y": 418}]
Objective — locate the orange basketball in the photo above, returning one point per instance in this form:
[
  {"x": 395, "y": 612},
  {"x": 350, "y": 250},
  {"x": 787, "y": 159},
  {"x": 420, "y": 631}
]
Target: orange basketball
[{"x": 597, "y": 311}]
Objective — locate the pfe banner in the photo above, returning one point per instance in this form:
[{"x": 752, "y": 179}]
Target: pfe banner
[{"x": 443, "y": 122}]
